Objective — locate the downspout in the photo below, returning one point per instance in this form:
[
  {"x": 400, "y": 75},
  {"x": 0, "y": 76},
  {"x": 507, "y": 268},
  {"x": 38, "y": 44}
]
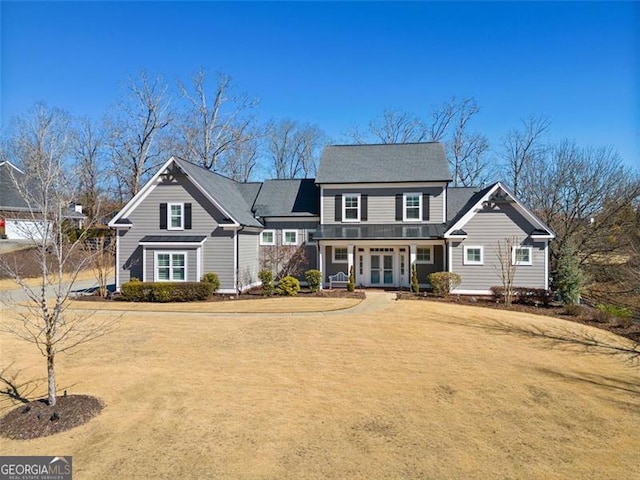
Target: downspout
[{"x": 236, "y": 274}]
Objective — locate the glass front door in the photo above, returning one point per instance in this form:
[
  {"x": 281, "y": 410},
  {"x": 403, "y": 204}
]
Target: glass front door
[{"x": 381, "y": 269}]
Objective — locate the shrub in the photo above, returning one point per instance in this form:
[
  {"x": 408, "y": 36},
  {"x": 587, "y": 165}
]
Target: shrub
[
  {"x": 608, "y": 313},
  {"x": 524, "y": 295},
  {"x": 211, "y": 278},
  {"x": 266, "y": 277},
  {"x": 165, "y": 291},
  {"x": 569, "y": 278},
  {"x": 313, "y": 277},
  {"x": 289, "y": 286},
  {"x": 351, "y": 284},
  {"x": 443, "y": 282},
  {"x": 573, "y": 309},
  {"x": 415, "y": 285}
]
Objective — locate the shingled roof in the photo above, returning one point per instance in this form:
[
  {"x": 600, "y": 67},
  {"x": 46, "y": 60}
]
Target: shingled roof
[
  {"x": 406, "y": 162},
  {"x": 10, "y": 198},
  {"x": 287, "y": 198}
]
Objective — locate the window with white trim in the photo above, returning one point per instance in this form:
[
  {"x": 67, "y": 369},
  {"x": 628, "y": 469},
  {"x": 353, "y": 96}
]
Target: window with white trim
[
  {"x": 175, "y": 216},
  {"x": 170, "y": 267},
  {"x": 351, "y": 207},
  {"x": 473, "y": 256},
  {"x": 268, "y": 237},
  {"x": 522, "y": 256},
  {"x": 340, "y": 255},
  {"x": 289, "y": 237},
  {"x": 424, "y": 255},
  {"x": 412, "y": 207}
]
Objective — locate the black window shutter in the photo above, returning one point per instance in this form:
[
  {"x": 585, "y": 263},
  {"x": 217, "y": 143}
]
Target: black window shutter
[
  {"x": 338, "y": 216},
  {"x": 163, "y": 216},
  {"x": 187, "y": 216},
  {"x": 399, "y": 207},
  {"x": 425, "y": 207},
  {"x": 364, "y": 207}
]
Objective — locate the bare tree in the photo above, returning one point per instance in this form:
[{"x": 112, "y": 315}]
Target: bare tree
[
  {"x": 522, "y": 148},
  {"x": 240, "y": 160},
  {"x": 507, "y": 267},
  {"x": 284, "y": 260},
  {"x": 88, "y": 153},
  {"x": 392, "y": 127},
  {"x": 134, "y": 133},
  {"x": 217, "y": 121},
  {"x": 40, "y": 145},
  {"x": 466, "y": 150},
  {"x": 294, "y": 148}
]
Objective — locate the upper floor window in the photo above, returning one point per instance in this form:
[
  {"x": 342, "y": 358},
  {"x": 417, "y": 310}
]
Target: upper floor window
[
  {"x": 267, "y": 237},
  {"x": 176, "y": 216},
  {"x": 521, "y": 256},
  {"x": 289, "y": 237},
  {"x": 412, "y": 206},
  {"x": 351, "y": 207}
]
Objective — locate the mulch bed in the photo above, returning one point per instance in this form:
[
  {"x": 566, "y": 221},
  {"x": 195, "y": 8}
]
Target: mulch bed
[
  {"x": 628, "y": 329},
  {"x": 37, "y": 419}
]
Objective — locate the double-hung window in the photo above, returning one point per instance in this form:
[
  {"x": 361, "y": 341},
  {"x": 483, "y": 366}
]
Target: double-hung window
[
  {"x": 175, "y": 212},
  {"x": 351, "y": 207},
  {"x": 289, "y": 237},
  {"x": 171, "y": 267},
  {"x": 412, "y": 206},
  {"x": 521, "y": 256},
  {"x": 473, "y": 256},
  {"x": 267, "y": 237}
]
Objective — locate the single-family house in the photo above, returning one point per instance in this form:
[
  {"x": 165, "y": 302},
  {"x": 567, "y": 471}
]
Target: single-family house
[{"x": 379, "y": 208}]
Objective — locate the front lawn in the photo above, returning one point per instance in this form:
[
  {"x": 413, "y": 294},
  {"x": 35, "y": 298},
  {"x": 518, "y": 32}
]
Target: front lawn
[{"x": 407, "y": 390}]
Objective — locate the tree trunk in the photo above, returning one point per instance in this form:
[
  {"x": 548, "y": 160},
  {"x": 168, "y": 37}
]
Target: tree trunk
[{"x": 51, "y": 377}]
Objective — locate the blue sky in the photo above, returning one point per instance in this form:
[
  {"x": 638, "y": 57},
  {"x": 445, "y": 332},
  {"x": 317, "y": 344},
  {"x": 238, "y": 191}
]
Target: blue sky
[{"x": 339, "y": 64}]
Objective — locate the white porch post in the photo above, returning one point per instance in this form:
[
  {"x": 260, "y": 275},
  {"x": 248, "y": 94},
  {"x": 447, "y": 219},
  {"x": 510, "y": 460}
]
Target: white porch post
[
  {"x": 321, "y": 264},
  {"x": 350, "y": 258},
  {"x": 413, "y": 255}
]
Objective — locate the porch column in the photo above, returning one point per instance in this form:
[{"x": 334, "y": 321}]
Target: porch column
[
  {"x": 412, "y": 256},
  {"x": 350, "y": 258},
  {"x": 321, "y": 264}
]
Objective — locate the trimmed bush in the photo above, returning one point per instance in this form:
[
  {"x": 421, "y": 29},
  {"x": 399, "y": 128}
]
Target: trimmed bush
[
  {"x": 266, "y": 277},
  {"x": 351, "y": 284},
  {"x": 288, "y": 286},
  {"x": 313, "y": 277},
  {"x": 415, "y": 285},
  {"x": 524, "y": 296},
  {"x": 443, "y": 282},
  {"x": 165, "y": 291},
  {"x": 212, "y": 278}
]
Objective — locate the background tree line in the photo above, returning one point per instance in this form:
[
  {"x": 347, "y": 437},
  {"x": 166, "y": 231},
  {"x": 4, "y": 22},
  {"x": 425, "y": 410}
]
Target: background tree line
[{"x": 585, "y": 193}]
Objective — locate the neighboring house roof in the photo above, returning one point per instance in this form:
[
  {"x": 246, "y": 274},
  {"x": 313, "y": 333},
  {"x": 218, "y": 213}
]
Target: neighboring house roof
[
  {"x": 10, "y": 198},
  {"x": 407, "y": 162},
  {"x": 288, "y": 198},
  {"x": 249, "y": 191},
  {"x": 495, "y": 192}
]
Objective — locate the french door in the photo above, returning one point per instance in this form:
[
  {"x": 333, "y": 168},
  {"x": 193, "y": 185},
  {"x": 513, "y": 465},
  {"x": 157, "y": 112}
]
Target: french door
[{"x": 381, "y": 269}]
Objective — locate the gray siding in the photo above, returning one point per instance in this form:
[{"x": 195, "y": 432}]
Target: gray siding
[
  {"x": 330, "y": 267},
  {"x": 274, "y": 256},
  {"x": 486, "y": 229},
  {"x": 438, "y": 265},
  {"x": 382, "y": 203},
  {"x": 217, "y": 252},
  {"x": 248, "y": 258}
]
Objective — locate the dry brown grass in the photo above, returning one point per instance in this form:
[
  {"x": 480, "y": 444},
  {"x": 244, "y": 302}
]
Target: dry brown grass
[
  {"x": 384, "y": 390},
  {"x": 8, "y": 284}
]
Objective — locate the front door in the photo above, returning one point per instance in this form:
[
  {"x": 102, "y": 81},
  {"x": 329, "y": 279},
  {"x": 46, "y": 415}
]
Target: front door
[{"x": 381, "y": 269}]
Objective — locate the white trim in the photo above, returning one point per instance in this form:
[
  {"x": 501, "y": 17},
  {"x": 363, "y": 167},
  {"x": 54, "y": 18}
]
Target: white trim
[
  {"x": 449, "y": 246},
  {"x": 465, "y": 261},
  {"x": 7, "y": 162},
  {"x": 231, "y": 226},
  {"x": 461, "y": 291},
  {"x": 444, "y": 204},
  {"x": 284, "y": 236},
  {"x": 425, "y": 262},
  {"x": 322, "y": 207},
  {"x": 173, "y": 244},
  {"x": 144, "y": 264},
  {"x": 404, "y": 207},
  {"x": 170, "y": 253},
  {"x": 321, "y": 263},
  {"x": 518, "y": 205},
  {"x": 296, "y": 218},
  {"x": 236, "y": 240},
  {"x": 175, "y": 204},
  {"x": 344, "y": 207},
  {"x": 198, "y": 264},
  {"x": 339, "y": 260},
  {"x": 117, "y": 269},
  {"x": 273, "y": 235},
  {"x": 232, "y": 291},
  {"x": 546, "y": 265},
  {"x": 521, "y": 247}
]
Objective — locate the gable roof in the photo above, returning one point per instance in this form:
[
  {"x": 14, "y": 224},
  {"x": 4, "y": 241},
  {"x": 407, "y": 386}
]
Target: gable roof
[
  {"x": 394, "y": 162},
  {"x": 10, "y": 198},
  {"x": 475, "y": 203},
  {"x": 288, "y": 198},
  {"x": 460, "y": 200},
  {"x": 224, "y": 193}
]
